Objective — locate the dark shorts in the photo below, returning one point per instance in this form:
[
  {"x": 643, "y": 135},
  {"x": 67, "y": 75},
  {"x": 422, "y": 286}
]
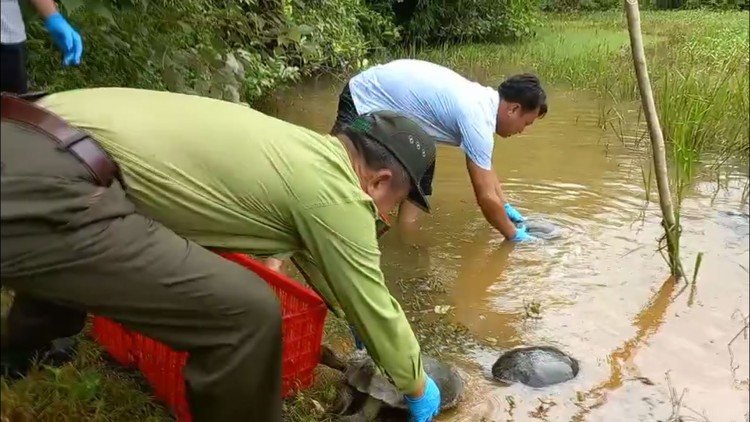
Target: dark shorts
[
  {"x": 347, "y": 112},
  {"x": 13, "y": 68}
]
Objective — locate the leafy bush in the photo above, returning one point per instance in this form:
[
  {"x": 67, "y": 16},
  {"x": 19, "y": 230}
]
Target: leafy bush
[
  {"x": 239, "y": 50},
  {"x": 232, "y": 49},
  {"x": 582, "y": 5},
  {"x": 440, "y": 21},
  {"x": 341, "y": 32}
]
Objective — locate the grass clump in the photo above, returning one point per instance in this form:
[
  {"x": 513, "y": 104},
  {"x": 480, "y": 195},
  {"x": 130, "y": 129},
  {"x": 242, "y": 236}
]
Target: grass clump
[
  {"x": 94, "y": 388},
  {"x": 87, "y": 389},
  {"x": 698, "y": 63}
]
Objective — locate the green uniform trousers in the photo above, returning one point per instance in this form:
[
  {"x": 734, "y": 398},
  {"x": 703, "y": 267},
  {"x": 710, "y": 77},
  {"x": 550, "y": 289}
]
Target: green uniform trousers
[{"x": 70, "y": 247}]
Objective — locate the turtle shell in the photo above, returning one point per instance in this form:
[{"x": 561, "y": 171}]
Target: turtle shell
[
  {"x": 536, "y": 367},
  {"x": 362, "y": 374},
  {"x": 541, "y": 228}
]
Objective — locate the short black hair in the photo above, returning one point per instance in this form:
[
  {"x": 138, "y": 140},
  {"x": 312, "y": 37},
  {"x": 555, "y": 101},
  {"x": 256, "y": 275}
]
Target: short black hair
[
  {"x": 377, "y": 157},
  {"x": 526, "y": 90}
]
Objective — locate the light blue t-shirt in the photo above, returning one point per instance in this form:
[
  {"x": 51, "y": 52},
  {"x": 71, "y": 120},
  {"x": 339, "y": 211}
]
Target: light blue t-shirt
[{"x": 451, "y": 108}]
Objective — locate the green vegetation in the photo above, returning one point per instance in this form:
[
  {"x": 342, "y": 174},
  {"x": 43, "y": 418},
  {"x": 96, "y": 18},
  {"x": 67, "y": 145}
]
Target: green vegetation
[
  {"x": 242, "y": 50},
  {"x": 94, "y": 388},
  {"x": 698, "y": 64},
  {"x": 599, "y": 5},
  {"x": 697, "y": 60},
  {"x": 236, "y": 50}
]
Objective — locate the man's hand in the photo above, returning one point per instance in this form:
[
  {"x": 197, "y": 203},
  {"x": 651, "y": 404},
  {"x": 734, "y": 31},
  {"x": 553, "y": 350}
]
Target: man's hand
[
  {"x": 521, "y": 234},
  {"x": 66, "y": 38},
  {"x": 513, "y": 214},
  {"x": 424, "y": 404}
]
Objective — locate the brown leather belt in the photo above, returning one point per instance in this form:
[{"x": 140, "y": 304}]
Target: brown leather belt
[{"x": 102, "y": 168}]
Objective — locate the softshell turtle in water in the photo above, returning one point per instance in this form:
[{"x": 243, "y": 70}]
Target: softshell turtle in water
[
  {"x": 541, "y": 229},
  {"x": 539, "y": 366},
  {"x": 365, "y": 394}
]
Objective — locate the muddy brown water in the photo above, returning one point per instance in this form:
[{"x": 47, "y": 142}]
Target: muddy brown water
[{"x": 601, "y": 291}]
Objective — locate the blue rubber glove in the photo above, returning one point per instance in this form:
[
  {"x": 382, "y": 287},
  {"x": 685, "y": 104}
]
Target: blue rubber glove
[
  {"x": 521, "y": 234},
  {"x": 357, "y": 342},
  {"x": 426, "y": 407},
  {"x": 66, "y": 38},
  {"x": 513, "y": 214}
]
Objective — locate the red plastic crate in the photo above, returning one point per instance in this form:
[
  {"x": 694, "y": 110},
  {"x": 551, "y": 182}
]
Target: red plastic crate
[
  {"x": 115, "y": 339},
  {"x": 303, "y": 316}
]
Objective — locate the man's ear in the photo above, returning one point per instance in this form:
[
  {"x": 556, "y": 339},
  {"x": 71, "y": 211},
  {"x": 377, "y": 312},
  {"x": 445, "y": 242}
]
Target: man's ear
[
  {"x": 381, "y": 179},
  {"x": 513, "y": 108}
]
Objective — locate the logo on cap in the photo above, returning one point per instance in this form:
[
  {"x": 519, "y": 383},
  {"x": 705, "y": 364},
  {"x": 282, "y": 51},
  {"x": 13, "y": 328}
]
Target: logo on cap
[{"x": 419, "y": 145}]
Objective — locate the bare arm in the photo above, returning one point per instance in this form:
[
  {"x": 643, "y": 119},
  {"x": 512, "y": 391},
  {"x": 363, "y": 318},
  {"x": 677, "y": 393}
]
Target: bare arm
[
  {"x": 490, "y": 199},
  {"x": 45, "y": 8},
  {"x": 499, "y": 190}
]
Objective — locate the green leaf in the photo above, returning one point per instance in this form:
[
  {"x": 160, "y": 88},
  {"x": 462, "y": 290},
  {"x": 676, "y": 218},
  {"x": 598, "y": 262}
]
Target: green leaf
[
  {"x": 185, "y": 27},
  {"x": 259, "y": 22},
  {"x": 308, "y": 50},
  {"x": 305, "y": 29}
]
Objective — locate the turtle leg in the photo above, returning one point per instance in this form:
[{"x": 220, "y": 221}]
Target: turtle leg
[
  {"x": 367, "y": 411},
  {"x": 330, "y": 359},
  {"x": 351, "y": 405}
]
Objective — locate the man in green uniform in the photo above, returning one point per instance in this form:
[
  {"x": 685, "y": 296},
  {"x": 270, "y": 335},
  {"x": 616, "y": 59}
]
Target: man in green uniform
[{"x": 109, "y": 203}]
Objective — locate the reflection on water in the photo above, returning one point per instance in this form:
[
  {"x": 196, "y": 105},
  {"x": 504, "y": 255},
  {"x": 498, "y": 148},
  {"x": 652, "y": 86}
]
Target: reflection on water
[{"x": 600, "y": 287}]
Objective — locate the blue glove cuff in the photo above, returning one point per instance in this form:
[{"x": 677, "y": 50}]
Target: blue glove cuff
[
  {"x": 411, "y": 400},
  {"x": 521, "y": 233},
  {"x": 429, "y": 385}
]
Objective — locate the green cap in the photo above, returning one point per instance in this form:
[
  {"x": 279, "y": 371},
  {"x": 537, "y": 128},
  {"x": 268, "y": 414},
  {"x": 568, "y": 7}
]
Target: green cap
[{"x": 406, "y": 140}]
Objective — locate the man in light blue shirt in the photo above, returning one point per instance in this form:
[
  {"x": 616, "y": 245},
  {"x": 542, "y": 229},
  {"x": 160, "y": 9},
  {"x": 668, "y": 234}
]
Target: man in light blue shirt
[{"x": 455, "y": 111}]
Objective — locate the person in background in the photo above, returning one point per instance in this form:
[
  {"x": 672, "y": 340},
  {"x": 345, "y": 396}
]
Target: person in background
[
  {"x": 455, "y": 111},
  {"x": 116, "y": 214},
  {"x": 14, "y": 79},
  {"x": 13, "y": 75}
]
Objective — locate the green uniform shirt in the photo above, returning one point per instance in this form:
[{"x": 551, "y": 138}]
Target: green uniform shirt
[{"x": 227, "y": 176}]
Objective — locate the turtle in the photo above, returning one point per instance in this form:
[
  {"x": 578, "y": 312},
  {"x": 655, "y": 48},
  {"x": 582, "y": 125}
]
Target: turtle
[
  {"x": 535, "y": 366},
  {"x": 541, "y": 228},
  {"x": 365, "y": 394}
]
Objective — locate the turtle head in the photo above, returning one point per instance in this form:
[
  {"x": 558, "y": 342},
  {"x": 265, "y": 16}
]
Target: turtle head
[{"x": 330, "y": 359}]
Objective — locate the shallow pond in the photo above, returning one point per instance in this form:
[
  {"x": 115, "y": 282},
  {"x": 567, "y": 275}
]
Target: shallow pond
[{"x": 600, "y": 292}]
